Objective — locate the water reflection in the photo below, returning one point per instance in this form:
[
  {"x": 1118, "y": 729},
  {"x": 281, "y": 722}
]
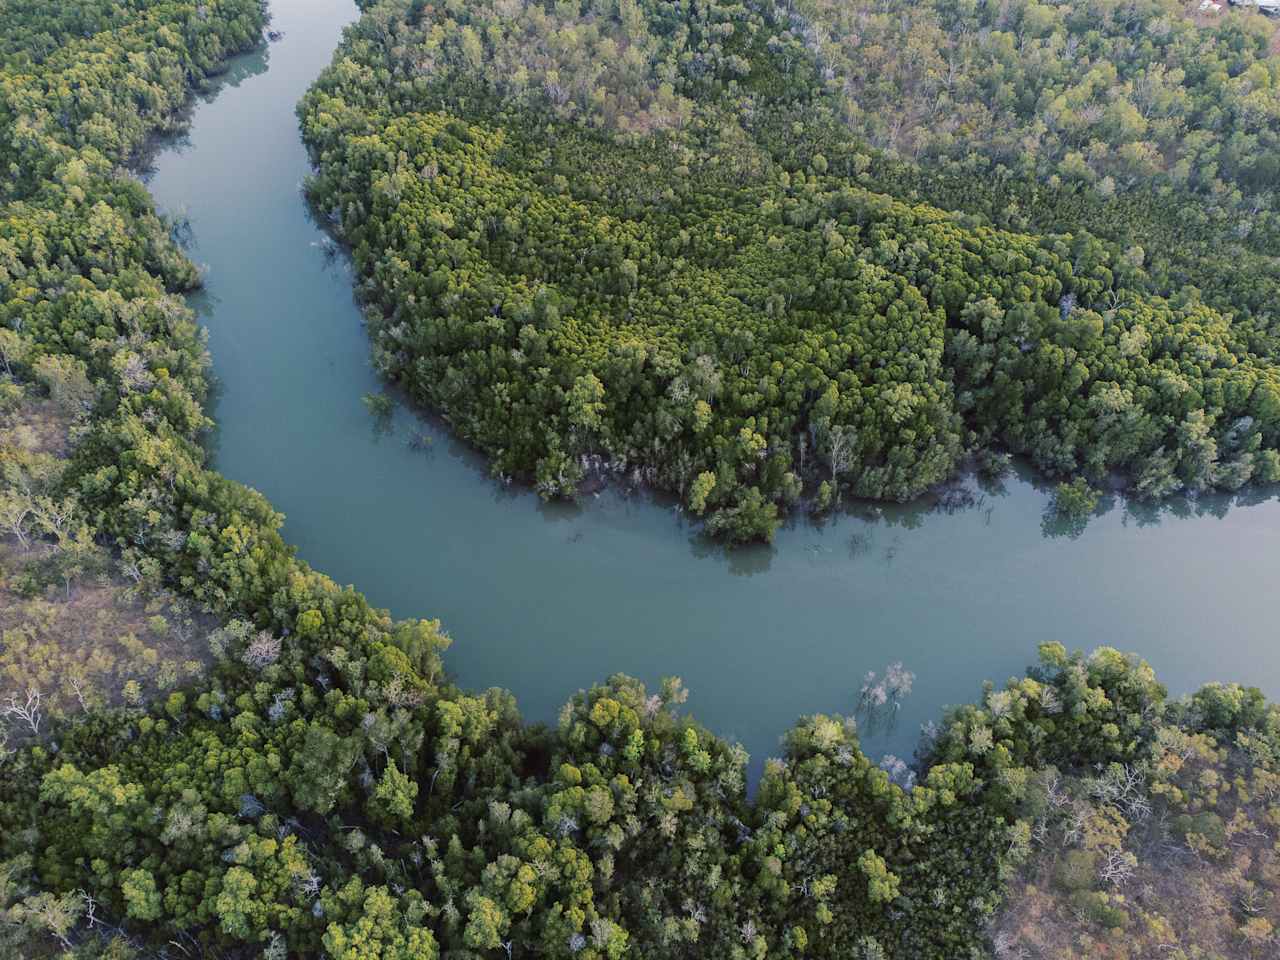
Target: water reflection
[
  {"x": 253, "y": 64},
  {"x": 239, "y": 70},
  {"x": 971, "y": 492}
]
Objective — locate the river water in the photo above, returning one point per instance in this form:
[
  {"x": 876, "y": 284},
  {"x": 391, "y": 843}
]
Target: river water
[{"x": 544, "y": 600}]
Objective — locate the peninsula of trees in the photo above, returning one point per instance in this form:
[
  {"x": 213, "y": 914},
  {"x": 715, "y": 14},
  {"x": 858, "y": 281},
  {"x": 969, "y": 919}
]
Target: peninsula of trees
[{"x": 754, "y": 253}]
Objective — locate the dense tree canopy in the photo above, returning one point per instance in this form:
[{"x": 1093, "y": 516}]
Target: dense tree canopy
[
  {"x": 737, "y": 327},
  {"x": 1113, "y": 94},
  {"x": 601, "y": 239}
]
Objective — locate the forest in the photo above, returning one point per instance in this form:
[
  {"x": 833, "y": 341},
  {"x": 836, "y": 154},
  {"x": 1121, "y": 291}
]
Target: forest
[
  {"x": 242, "y": 759},
  {"x": 662, "y": 241}
]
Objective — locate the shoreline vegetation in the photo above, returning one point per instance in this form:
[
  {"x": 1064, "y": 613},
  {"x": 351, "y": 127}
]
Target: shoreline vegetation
[{"x": 322, "y": 790}]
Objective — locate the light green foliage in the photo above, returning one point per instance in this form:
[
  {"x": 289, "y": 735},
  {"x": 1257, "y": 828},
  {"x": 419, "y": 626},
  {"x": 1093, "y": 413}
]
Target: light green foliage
[
  {"x": 379, "y": 405},
  {"x": 142, "y": 899},
  {"x": 882, "y": 886},
  {"x": 394, "y": 796},
  {"x": 702, "y": 487},
  {"x": 1075, "y": 499},
  {"x": 377, "y": 928}
]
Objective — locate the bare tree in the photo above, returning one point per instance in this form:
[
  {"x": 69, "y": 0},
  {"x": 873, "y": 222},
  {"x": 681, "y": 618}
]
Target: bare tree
[
  {"x": 841, "y": 444},
  {"x": 56, "y": 915},
  {"x": 28, "y": 713},
  {"x": 1124, "y": 787},
  {"x": 1054, "y": 791},
  {"x": 1118, "y": 868},
  {"x": 263, "y": 650},
  {"x": 90, "y": 909},
  {"x": 77, "y": 687},
  {"x": 131, "y": 569},
  {"x": 12, "y": 350},
  {"x": 56, "y": 516},
  {"x": 15, "y": 517}
]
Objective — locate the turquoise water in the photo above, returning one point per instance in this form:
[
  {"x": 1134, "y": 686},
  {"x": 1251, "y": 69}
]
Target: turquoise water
[{"x": 545, "y": 600}]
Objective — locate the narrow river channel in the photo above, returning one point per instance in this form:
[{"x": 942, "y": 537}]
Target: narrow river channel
[{"x": 544, "y": 600}]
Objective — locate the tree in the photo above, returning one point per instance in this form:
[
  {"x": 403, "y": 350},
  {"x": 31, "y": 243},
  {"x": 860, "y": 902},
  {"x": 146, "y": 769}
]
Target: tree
[
  {"x": 54, "y": 915},
  {"x": 142, "y": 899},
  {"x": 840, "y": 444},
  {"x": 68, "y": 382},
  {"x": 25, "y": 712},
  {"x": 374, "y": 928},
  {"x": 393, "y": 797},
  {"x": 702, "y": 487},
  {"x": 13, "y": 349},
  {"x": 1070, "y": 508},
  {"x": 16, "y": 515}
]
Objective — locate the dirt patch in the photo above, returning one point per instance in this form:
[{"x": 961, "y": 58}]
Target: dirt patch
[
  {"x": 97, "y": 640},
  {"x": 37, "y": 426},
  {"x": 1176, "y": 857},
  {"x": 79, "y": 629}
]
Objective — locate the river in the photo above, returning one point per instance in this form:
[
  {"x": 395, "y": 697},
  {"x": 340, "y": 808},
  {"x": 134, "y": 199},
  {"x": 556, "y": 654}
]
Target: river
[{"x": 544, "y": 600}]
